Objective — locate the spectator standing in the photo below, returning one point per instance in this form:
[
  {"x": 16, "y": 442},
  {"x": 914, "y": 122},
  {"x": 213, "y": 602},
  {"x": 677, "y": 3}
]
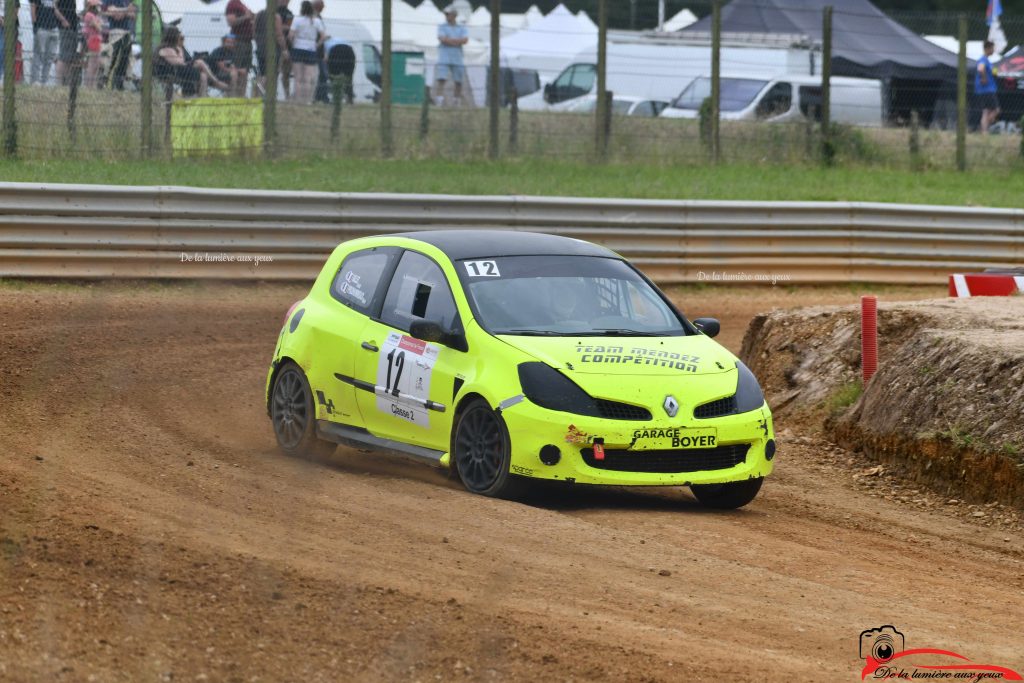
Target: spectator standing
[
  {"x": 46, "y": 22},
  {"x": 452, "y": 36},
  {"x": 242, "y": 22},
  {"x": 306, "y": 38},
  {"x": 341, "y": 63},
  {"x": 3, "y": 38},
  {"x": 68, "y": 38},
  {"x": 321, "y": 93},
  {"x": 222, "y": 63},
  {"x": 121, "y": 22},
  {"x": 282, "y": 23},
  {"x": 92, "y": 32},
  {"x": 985, "y": 88}
]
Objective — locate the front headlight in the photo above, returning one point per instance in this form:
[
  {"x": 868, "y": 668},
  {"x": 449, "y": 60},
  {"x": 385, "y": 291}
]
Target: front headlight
[
  {"x": 748, "y": 391},
  {"x": 548, "y": 388}
]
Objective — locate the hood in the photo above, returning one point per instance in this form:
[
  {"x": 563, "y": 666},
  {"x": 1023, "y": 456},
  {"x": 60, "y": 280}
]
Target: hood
[{"x": 629, "y": 356}]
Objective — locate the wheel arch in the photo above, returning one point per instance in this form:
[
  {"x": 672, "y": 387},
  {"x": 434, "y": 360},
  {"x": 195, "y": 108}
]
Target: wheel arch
[{"x": 275, "y": 369}]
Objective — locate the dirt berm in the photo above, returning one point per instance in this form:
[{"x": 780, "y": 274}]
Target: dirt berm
[{"x": 945, "y": 405}]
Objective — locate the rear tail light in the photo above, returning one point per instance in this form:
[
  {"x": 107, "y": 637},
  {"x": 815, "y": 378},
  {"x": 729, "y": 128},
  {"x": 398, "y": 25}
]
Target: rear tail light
[{"x": 290, "y": 311}]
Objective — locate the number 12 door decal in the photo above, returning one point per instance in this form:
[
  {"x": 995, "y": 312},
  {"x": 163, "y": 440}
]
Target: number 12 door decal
[{"x": 403, "y": 379}]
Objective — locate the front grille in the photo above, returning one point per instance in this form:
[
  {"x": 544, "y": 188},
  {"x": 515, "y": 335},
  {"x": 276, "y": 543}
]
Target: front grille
[
  {"x": 669, "y": 461},
  {"x": 723, "y": 406},
  {"x": 613, "y": 410}
]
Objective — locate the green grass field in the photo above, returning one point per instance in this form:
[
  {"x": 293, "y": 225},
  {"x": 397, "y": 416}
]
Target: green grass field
[{"x": 544, "y": 177}]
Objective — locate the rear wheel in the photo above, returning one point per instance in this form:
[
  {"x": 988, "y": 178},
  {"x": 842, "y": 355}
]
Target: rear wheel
[
  {"x": 293, "y": 416},
  {"x": 729, "y": 496},
  {"x": 482, "y": 452}
]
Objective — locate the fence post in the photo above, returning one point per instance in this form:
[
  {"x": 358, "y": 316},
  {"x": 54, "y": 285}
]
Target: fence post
[
  {"x": 269, "y": 78},
  {"x": 338, "y": 92},
  {"x": 425, "y": 113},
  {"x": 168, "y": 109},
  {"x": 600, "y": 143},
  {"x": 494, "y": 81},
  {"x": 147, "y": 78},
  {"x": 606, "y": 134},
  {"x": 10, "y": 41},
  {"x": 72, "y": 76},
  {"x": 916, "y": 160},
  {"x": 513, "y": 121},
  {"x": 961, "y": 98},
  {"x": 827, "y": 147},
  {"x": 716, "y": 81},
  {"x": 385, "y": 81}
]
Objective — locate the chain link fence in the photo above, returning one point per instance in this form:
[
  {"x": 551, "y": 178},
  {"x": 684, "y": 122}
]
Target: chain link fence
[{"x": 94, "y": 83}]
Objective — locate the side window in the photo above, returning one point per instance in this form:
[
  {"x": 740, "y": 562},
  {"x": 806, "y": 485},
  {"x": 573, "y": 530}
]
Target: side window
[
  {"x": 583, "y": 78},
  {"x": 371, "y": 59},
  {"x": 776, "y": 101},
  {"x": 418, "y": 291},
  {"x": 359, "y": 277}
]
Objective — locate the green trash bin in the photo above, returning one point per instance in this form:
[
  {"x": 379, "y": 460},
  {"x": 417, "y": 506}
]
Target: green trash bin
[{"x": 408, "y": 77}]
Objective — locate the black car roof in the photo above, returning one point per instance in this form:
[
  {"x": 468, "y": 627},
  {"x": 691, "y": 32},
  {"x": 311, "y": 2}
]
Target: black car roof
[{"x": 463, "y": 244}]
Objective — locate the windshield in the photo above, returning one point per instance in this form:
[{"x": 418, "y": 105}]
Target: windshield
[
  {"x": 565, "y": 296},
  {"x": 737, "y": 93}
]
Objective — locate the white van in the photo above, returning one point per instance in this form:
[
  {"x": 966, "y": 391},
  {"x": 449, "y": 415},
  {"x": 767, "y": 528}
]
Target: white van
[
  {"x": 856, "y": 101},
  {"x": 657, "y": 71}
]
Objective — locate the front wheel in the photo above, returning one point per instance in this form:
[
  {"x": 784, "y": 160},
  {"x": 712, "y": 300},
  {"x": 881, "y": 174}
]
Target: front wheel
[
  {"x": 482, "y": 451},
  {"x": 729, "y": 496},
  {"x": 291, "y": 411}
]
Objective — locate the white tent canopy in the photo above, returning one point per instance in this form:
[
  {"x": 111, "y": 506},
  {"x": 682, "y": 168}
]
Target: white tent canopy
[
  {"x": 680, "y": 20},
  {"x": 549, "y": 44}
]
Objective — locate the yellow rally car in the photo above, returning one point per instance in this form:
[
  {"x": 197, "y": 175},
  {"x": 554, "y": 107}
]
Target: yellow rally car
[{"x": 511, "y": 355}]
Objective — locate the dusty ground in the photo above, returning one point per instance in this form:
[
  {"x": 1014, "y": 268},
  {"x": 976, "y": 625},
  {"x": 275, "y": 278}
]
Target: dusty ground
[{"x": 150, "y": 531}]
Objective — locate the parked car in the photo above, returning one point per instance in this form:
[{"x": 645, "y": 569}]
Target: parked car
[
  {"x": 855, "y": 101},
  {"x": 623, "y": 105}
]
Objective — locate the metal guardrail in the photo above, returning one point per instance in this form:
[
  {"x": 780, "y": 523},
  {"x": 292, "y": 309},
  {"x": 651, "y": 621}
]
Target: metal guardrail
[{"x": 83, "y": 231}]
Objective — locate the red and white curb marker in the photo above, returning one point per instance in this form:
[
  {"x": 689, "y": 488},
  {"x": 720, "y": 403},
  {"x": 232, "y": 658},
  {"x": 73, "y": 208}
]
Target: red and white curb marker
[
  {"x": 965, "y": 285},
  {"x": 868, "y": 336}
]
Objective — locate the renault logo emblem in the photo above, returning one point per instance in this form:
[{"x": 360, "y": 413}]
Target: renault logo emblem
[{"x": 671, "y": 405}]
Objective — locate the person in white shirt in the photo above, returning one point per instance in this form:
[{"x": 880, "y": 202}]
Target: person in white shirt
[{"x": 306, "y": 35}]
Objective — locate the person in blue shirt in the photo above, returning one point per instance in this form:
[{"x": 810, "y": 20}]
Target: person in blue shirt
[
  {"x": 452, "y": 37},
  {"x": 985, "y": 88}
]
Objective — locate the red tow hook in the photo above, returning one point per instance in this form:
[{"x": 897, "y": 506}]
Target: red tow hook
[{"x": 599, "y": 449}]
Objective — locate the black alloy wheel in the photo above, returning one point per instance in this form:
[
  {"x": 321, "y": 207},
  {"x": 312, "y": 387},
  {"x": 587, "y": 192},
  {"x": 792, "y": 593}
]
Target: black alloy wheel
[
  {"x": 481, "y": 449},
  {"x": 291, "y": 411}
]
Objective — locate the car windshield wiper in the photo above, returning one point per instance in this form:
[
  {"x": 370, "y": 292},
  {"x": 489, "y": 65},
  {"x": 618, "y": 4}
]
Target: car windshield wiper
[
  {"x": 533, "y": 333},
  {"x": 624, "y": 332}
]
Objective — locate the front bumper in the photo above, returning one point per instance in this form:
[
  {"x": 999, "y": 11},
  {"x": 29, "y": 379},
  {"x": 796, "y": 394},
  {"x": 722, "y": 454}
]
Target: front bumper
[{"x": 531, "y": 428}]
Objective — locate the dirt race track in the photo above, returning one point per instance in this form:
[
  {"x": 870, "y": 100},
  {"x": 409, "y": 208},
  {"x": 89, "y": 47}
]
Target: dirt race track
[{"x": 150, "y": 531}]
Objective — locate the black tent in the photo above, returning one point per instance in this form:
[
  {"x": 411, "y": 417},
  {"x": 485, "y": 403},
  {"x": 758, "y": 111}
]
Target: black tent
[{"x": 865, "y": 44}]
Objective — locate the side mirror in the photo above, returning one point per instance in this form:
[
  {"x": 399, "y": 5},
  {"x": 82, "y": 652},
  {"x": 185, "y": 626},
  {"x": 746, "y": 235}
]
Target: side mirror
[
  {"x": 547, "y": 92},
  {"x": 428, "y": 331},
  {"x": 708, "y": 326}
]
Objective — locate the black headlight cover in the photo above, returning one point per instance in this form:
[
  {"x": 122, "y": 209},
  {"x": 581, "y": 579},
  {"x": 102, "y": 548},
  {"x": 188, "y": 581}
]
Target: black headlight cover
[
  {"x": 548, "y": 388},
  {"x": 748, "y": 391}
]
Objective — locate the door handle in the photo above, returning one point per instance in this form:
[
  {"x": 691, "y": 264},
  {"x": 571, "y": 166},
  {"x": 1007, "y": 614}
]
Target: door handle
[{"x": 370, "y": 346}]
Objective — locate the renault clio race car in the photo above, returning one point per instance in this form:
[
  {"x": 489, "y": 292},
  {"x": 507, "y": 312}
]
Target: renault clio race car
[{"x": 510, "y": 355}]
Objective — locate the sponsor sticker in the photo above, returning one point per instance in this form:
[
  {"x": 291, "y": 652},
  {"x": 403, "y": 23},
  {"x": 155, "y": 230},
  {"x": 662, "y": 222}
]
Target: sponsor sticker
[
  {"x": 403, "y": 378},
  {"x": 665, "y": 438}
]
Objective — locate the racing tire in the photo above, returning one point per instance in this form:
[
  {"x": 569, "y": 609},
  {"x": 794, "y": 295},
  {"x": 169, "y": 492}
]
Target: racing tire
[
  {"x": 293, "y": 415},
  {"x": 482, "y": 451},
  {"x": 729, "y": 496}
]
